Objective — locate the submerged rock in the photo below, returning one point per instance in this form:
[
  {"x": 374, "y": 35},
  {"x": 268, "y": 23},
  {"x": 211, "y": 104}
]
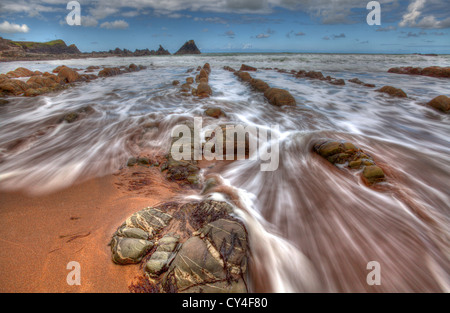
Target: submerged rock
[
  {"x": 259, "y": 85},
  {"x": 392, "y": 91},
  {"x": 279, "y": 97},
  {"x": 432, "y": 71},
  {"x": 204, "y": 90},
  {"x": 214, "y": 112}
]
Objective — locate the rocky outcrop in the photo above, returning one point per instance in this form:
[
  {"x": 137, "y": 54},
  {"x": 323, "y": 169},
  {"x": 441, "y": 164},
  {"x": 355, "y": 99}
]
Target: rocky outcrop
[
  {"x": 42, "y": 83},
  {"x": 349, "y": 155},
  {"x": 441, "y": 103},
  {"x": 316, "y": 75},
  {"x": 432, "y": 71},
  {"x": 275, "y": 96},
  {"x": 392, "y": 91},
  {"x": 279, "y": 97},
  {"x": 207, "y": 252},
  {"x": 247, "y": 68},
  {"x": 188, "y": 48},
  {"x": 359, "y": 82}
]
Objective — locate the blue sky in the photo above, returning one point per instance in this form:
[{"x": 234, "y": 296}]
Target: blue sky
[{"x": 336, "y": 26}]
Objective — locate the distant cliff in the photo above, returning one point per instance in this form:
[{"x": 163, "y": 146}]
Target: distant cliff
[
  {"x": 188, "y": 48},
  {"x": 29, "y": 49}
]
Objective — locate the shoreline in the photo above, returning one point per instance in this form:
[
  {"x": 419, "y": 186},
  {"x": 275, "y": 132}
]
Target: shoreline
[{"x": 107, "y": 55}]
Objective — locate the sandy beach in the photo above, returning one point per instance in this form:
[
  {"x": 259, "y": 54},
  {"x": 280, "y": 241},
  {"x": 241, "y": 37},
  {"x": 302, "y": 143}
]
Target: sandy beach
[{"x": 41, "y": 234}]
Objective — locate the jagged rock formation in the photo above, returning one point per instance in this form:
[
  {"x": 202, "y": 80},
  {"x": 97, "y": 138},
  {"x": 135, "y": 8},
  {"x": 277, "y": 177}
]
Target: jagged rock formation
[
  {"x": 188, "y": 48},
  {"x": 137, "y": 52},
  {"x": 206, "y": 252}
]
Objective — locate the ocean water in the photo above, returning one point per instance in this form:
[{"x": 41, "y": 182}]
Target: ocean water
[{"x": 312, "y": 227}]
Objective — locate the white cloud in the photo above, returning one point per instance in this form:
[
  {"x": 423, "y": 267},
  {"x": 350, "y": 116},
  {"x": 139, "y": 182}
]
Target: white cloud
[
  {"x": 119, "y": 24},
  {"x": 413, "y": 17},
  {"x": 414, "y": 11},
  {"x": 11, "y": 28},
  {"x": 88, "y": 21},
  {"x": 260, "y": 36}
]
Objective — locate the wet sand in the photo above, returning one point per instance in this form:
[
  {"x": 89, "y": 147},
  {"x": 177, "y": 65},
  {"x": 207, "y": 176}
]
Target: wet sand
[{"x": 40, "y": 235}]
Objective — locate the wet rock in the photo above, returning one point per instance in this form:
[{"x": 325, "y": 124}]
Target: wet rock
[
  {"x": 150, "y": 220},
  {"x": 190, "y": 80},
  {"x": 214, "y": 112},
  {"x": 243, "y": 76},
  {"x": 129, "y": 250},
  {"x": 338, "y": 82},
  {"x": 131, "y": 161},
  {"x": 175, "y": 82},
  {"x": 13, "y": 87},
  {"x": 68, "y": 75},
  {"x": 215, "y": 257},
  {"x": 279, "y": 97},
  {"x": 359, "y": 82},
  {"x": 247, "y": 68},
  {"x": 441, "y": 103},
  {"x": 135, "y": 233},
  {"x": 392, "y": 91},
  {"x": 259, "y": 85},
  {"x": 43, "y": 81},
  {"x": 109, "y": 71},
  {"x": 93, "y": 67},
  {"x": 185, "y": 87},
  {"x": 202, "y": 74},
  {"x": 19, "y": 72},
  {"x": 315, "y": 75},
  {"x": 203, "y": 90},
  {"x": 77, "y": 114},
  {"x": 163, "y": 255},
  {"x": 432, "y": 71},
  {"x": 211, "y": 258},
  {"x": 373, "y": 174},
  {"x": 230, "y": 69},
  {"x": 346, "y": 153},
  {"x": 207, "y": 68}
]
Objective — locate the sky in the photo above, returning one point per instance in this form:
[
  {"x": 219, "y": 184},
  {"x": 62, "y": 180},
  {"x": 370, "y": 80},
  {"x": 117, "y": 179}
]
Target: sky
[{"x": 316, "y": 26}]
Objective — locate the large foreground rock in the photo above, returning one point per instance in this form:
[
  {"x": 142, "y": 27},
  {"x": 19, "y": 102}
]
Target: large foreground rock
[{"x": 206, "y": 249}]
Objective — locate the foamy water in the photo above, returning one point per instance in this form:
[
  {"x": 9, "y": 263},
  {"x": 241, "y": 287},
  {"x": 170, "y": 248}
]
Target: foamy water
[{"x": 311, "y": 226}]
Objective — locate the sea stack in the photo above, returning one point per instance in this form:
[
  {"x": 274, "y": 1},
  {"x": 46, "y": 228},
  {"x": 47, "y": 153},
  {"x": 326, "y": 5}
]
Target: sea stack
[{"x": 188, "y": 48}]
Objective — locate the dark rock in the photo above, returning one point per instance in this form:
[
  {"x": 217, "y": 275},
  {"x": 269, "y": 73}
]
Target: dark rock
[
  {"x": 247, "y": 68},
  {"x": 279, "y": 97},
  {"x": 203, "y": 90},
  {"x": 441, "y": 103},
  {"x": 188, "y": 48},
  {"x": 341, "y": 152},
  {"x": 214, "y": 112},
  {"x": 392, "y": 91}
]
